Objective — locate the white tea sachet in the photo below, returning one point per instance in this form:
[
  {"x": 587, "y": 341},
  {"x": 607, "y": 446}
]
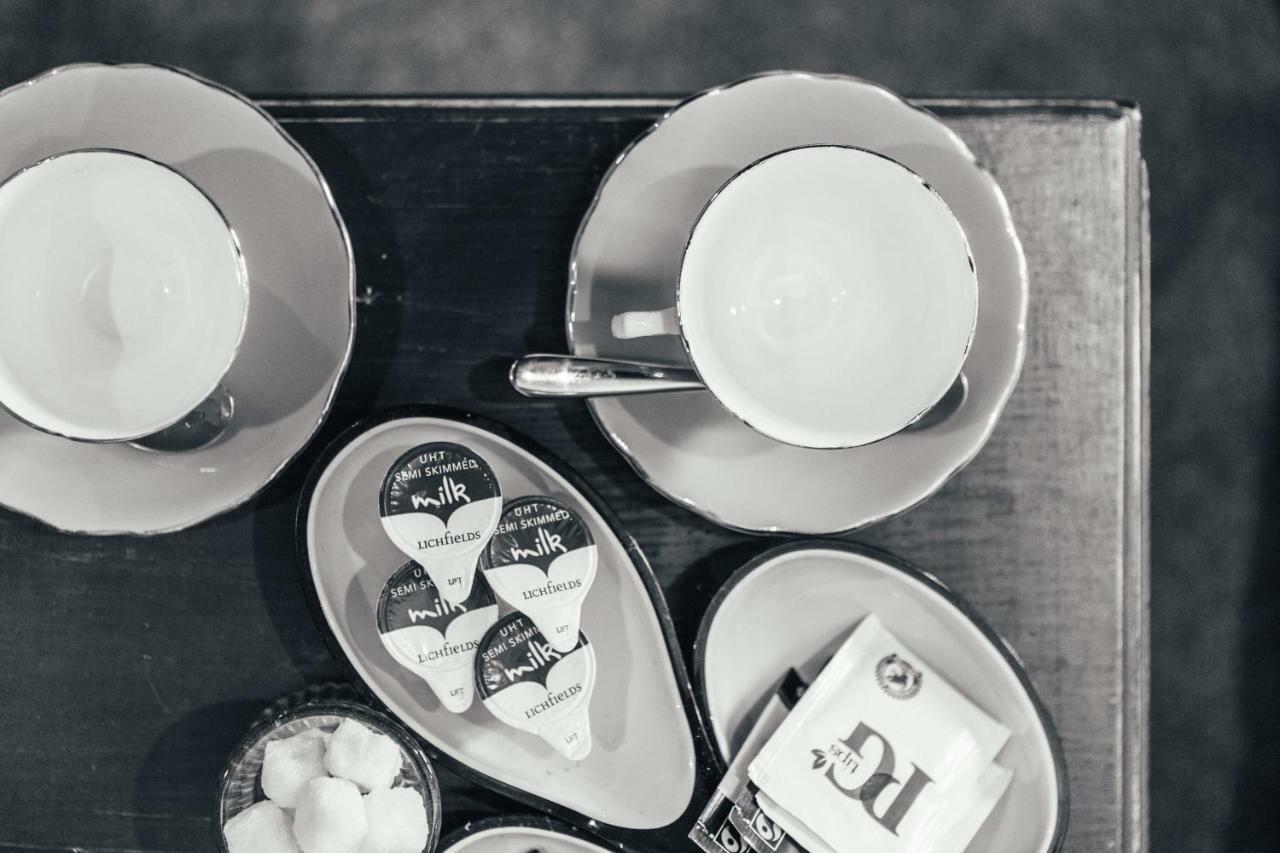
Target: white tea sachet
[{"x": 881, "y": 755}]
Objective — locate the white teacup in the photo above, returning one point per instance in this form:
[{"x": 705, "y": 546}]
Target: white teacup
[
  {"x": 123, "y": 296},
  {"x": 827, "y": 297}
]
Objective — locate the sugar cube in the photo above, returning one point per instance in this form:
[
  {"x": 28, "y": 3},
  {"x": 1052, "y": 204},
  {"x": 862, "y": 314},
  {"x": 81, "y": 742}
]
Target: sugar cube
[
  {"x": 261, "y": 828},
  {"x": 397, "y": 821},
  {"x": 289, "y": 764},
  {"x": 330, "y": 817},
  {"x": 368, "y": 758}
]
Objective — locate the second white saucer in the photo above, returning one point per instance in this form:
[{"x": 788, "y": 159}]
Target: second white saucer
[{"x": 627, "y": 257}]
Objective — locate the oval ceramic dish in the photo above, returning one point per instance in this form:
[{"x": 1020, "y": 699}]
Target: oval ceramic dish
[
  {"x": 240, "y": 786},
  {"x": 651, "y": 759},
  {"x": 519, "y": 834},
  {"x": 793, "y": 605}
]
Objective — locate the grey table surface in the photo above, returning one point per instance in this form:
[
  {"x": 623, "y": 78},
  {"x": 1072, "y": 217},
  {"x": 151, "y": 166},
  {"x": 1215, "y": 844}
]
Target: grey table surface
[
  {"x": 132, "y": 665},
  {"x": 1046, "y": 532}
]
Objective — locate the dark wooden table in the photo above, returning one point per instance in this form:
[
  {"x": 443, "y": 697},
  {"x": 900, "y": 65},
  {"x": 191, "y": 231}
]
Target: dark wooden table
[{"x": 130, "y": 666}]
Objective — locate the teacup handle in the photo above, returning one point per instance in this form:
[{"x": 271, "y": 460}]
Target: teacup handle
[
  {"x": 645, "y": 324},
  {"x": 202, "y": 425}
]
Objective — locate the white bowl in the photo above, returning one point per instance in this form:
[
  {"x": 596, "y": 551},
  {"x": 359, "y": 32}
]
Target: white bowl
[
  {"x": 241, "y": 785},
  {"x": 792, "y": 606}
]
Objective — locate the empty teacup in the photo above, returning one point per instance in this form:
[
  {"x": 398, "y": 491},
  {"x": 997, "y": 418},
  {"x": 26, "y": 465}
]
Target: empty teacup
[
  {"x": 826, "y": 297},
  {"x": 123, "y": 296}
]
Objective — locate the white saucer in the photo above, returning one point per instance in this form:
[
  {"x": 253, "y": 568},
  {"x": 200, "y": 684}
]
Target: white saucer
[
  {"x": 627, "y": 257},
  {"x": 302, "y": 308},
  {"x": 791, "y": 607},
  {"x": 643, "y": 771}
]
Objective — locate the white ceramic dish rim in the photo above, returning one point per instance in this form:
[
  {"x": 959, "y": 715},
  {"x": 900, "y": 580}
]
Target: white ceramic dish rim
[
  {"x": 339, "y": 374},
  {"x": 242, "y": 276},
  {"x": 703, "y": 750},
  {"x": 680, "y": 310},
  {"x": 537, "y": 826},
  {"x": 1005, "y": 393},
  {"x": 936, "y": 588}
]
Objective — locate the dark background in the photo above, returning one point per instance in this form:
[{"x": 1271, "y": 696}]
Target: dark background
[{"x": 1207, "y": 76}]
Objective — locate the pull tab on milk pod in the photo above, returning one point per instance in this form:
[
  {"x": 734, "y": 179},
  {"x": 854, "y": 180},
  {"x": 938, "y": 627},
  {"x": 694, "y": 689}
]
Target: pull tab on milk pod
[
  {"x": 432, "y": 637},
  {"x": 439, "y": 504},
  {"x": 529, "y": 685},
  {"x": 542, "y": 561}
]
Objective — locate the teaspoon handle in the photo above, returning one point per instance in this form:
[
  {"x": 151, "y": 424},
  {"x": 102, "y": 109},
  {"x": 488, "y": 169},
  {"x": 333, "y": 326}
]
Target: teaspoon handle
[{"x": 571, "y": 376}]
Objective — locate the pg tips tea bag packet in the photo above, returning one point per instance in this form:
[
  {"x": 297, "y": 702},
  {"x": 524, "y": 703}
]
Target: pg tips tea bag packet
[
  {"x": 432, "y": 637},
  {"x": 881, "y": 755},
  {"x": 439, "y": 504},
  {"x": 542, "y": 561}
]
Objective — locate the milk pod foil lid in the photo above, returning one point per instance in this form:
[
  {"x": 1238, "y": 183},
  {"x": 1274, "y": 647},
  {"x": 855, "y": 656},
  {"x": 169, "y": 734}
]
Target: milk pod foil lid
[
  {"x": 542, "y": 561},
  {"x": 440, "y": 503},
  {"x": 432, "y": 637},
  {"x": 527, "y": 683}
]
